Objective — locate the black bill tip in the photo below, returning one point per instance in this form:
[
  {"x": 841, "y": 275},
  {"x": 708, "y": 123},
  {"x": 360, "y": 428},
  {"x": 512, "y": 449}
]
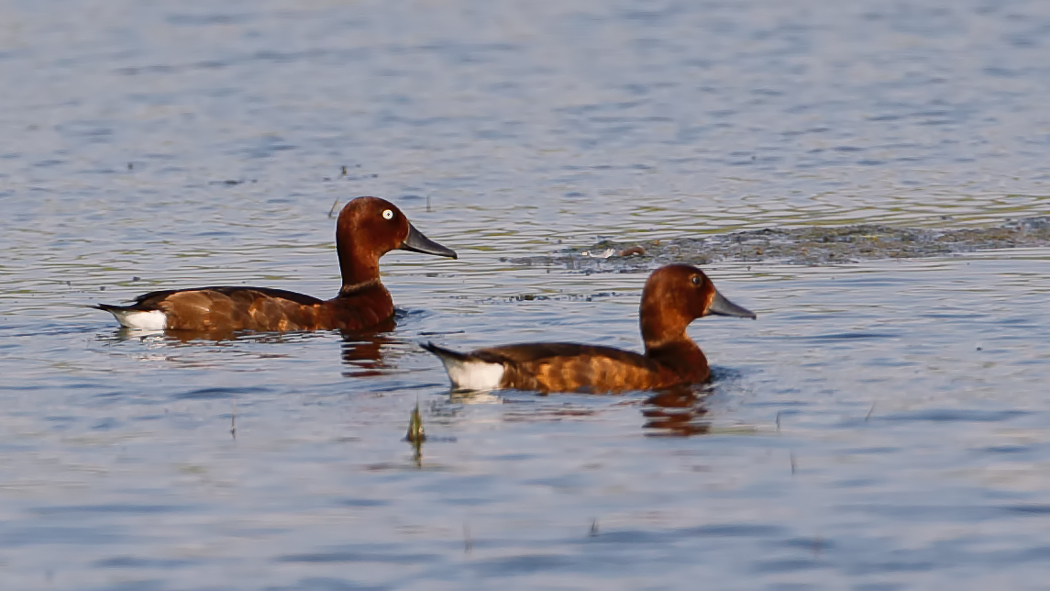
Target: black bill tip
[{"x": 417, "y": 242}]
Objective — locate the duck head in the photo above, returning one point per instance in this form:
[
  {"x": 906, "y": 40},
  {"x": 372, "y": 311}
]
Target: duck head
[
  {"x": 674, "y": 296},
  {"x": 370, "y": 227}
]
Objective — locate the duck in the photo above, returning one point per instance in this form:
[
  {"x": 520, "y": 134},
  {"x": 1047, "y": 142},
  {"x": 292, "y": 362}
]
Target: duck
[
  {"x": 673, "y": 296},
  {"x": 367, "y": 228}
]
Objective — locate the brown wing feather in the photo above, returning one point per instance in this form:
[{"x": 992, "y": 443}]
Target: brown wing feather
[
  {"x": 231, "y": 309},
  {"x": 570, "y": 367},
  {"x": 227, "y": 309},
  {"x": 151, "y": 300}
]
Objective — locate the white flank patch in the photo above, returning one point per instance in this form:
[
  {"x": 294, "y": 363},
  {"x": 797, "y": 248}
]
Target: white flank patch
[
  {"x": 152, "y": 320},
  {"x": 473, "y": 375}
]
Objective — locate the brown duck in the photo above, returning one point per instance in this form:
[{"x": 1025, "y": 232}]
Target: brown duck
[
  {"x": 368, "y": 228},
  {"x": 673, "y": 297}
]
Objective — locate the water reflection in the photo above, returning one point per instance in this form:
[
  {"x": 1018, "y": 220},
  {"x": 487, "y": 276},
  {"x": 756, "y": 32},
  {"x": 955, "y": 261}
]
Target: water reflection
[
  {"x": 363, "y": 351},
  {"x": 680, "y": 412},
  {"x": 191, "y": 337}
]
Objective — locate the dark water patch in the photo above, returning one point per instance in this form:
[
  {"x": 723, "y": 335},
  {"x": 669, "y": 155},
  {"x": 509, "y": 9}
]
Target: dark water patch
[
  {"x": 849, "y": 336},
  {"x": 814, "y": 245},
  {"x": 15, "y": 537},
  {"x": 741, "y": 530},
  {"x": 1007, "y": 449},
  {"x": 128, "y": 509},
  {"x": 196, "y": 20},
  {"x": 329, "y": 584},
  {"x": 357, "y": 555},
  {"x": 465, "y": 501},
  {"x": 362, "y": 502},
  {"x": 143, "y": 585},
  {"x": 218, "y": 393},
  {"x": 106, "y": 425},
  {"x": 814, "y": 544},
  {"x": 636, "y": 536},
  {"x": 871, "y": 450},
  {"x": 788, "y": 566},
  {"x": 953, "y": 415},
  {"x": 1032, "y": 509},
  {"x": 524, "y": 564},
  {"x": 1038, "y": 555},
  {"x": 131, "y": 562},
  {"x": 60, "y": 419},
  {"x": 927, "y": 513},
  {"x": 878, "y": 586},
  {"x": 892, "y": 566}
]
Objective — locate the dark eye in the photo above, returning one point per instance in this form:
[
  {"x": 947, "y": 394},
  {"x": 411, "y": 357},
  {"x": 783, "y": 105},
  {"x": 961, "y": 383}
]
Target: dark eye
[{"x": 695, "y": 279}]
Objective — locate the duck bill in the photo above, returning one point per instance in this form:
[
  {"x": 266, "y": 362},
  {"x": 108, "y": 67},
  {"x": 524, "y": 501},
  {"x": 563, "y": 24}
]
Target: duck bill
[
  {"x": 417, "y": 242},
  {"x": 720, "y": 306}
]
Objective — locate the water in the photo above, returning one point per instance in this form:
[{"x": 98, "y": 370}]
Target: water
[{"x": 881, "y": 426}]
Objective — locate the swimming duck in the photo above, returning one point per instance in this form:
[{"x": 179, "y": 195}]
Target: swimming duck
[
  {"x": 368, "y": 228},
  {"x": 673, "y": 297}
]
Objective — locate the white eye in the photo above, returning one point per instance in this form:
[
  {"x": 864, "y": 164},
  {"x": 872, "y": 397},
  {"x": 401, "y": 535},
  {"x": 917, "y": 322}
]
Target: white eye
[{"x": 388, "y": 214}]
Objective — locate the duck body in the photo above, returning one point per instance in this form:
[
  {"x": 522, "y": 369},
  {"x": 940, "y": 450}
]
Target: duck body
[
  {"x": 564, "y": 367},
  {"x": 674, "y": 295},
  {"x": 368, "y": 228},
  {"x": 227, "y": 309}
]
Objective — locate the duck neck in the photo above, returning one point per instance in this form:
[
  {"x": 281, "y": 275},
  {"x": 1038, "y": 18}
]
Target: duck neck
[
  {"x": 357, "y": 265},
  {"x": 357, "y": 289},
  {"x": 661, "y": 324},
  {"x": 683, "y": 356},
  {"x": 663, "y": 330}
]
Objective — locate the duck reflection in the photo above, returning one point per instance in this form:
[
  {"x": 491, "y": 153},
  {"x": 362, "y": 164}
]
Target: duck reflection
[
  {"x": 181, "y": 337},
  {"x": 363, "y": 351},
  {"x": 679, "y": 412},
  {"x": 200, "y": 337}
]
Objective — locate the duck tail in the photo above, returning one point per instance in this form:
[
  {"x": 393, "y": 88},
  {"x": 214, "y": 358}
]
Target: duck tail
[
  {"x": 467, "y": 371},
  {"x": 444, "y": 353},
  {"x": 109, "y": 307},
  {"x": 134, "y": 317}
]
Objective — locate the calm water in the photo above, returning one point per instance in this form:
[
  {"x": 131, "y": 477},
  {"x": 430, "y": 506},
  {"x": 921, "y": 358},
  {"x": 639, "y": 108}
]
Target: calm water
[{"x": 881, "y": 426}]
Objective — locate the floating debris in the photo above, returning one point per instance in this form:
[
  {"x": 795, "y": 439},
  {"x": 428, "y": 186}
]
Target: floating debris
[
  {"x": 814, "y": 245},
  {"x": 598, "y": 254},
  {"x": 611, "y": 252}
]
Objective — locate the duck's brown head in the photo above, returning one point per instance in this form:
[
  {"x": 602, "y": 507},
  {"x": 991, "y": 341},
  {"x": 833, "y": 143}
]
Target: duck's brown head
[
  {"x": 674, "y": 296},
  {"x": 370, "y": 227}
]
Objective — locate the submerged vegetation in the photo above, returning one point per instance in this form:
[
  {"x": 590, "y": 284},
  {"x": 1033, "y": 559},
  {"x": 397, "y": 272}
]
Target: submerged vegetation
[{"x": 812, "y": 245}]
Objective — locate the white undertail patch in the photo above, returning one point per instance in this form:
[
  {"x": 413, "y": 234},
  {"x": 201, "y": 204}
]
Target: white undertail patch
[
  {"x": 137, "y": 319},
  {"x": 473, "y": 374}
]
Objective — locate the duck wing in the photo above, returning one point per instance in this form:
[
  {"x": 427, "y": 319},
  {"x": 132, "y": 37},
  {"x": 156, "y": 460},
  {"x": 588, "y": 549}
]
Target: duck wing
[{"x": 219, "y": 308}]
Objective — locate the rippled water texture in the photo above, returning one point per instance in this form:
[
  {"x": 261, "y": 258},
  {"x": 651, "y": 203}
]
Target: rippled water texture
[{"x": 882, "y": 425}]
